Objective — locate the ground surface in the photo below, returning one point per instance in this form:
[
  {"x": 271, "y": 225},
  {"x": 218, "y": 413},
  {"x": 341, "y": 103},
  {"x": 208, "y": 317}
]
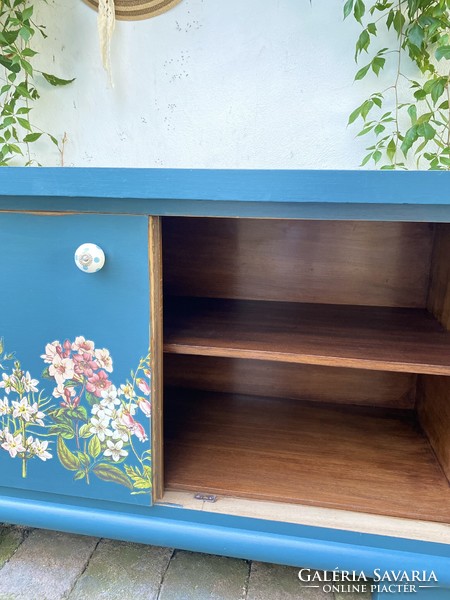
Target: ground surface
[{"x": 46, "y": 565}]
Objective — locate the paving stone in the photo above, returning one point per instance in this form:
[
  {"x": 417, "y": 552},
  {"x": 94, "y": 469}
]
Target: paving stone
[
  {"x": 10, "y": 540},
  {"x": 45, "y": 566},
  {"x": 276, "y": 582},
  {"x": 204, "y": 577},
  {"x": 122, "y": 571},
  {"x": 360, "y": 595}
]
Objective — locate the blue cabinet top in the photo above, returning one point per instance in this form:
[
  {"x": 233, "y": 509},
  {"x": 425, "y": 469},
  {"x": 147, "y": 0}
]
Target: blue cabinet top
[{"x": 396, "y": 195}]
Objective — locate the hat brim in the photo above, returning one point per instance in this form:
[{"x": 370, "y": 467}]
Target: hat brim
[{"x": 135, "y": 10}]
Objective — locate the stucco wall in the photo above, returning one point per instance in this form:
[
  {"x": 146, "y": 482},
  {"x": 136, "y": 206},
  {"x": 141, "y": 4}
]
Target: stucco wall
[{"x": 211, "y": 83}]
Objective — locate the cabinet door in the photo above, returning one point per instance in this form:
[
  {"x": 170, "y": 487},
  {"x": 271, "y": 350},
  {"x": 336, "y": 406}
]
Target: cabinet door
[{"x": 74, "y": 357}]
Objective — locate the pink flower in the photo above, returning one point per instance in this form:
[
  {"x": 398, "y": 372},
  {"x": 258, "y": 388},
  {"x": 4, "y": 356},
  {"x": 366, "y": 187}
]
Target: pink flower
[
  {"x": 97, "y": 383},
  {"x": 145, "y": 406},
  {"x": 67, "y": 348},
  {"x": 104, "y": 359},
  {"x": 139, "y": 432},
  {"x": 143, "y": 386},
  {"x": 82, "y": 345},
  {"x": 127, "y": 419},
  {"x": 84, "y": 365}
]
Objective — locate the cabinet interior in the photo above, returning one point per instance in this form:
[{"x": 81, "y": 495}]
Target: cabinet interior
[{"x": 308, "y": 362}]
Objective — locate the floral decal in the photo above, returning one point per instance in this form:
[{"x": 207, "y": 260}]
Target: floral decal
[{"x": 94, "y": 428}]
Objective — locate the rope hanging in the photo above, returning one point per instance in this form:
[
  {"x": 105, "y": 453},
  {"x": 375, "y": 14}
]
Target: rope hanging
[{"x": 106, "y": 23}]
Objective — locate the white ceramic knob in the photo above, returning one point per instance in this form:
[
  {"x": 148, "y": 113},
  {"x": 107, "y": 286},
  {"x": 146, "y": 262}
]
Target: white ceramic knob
[{"x": 89, "y": 258}]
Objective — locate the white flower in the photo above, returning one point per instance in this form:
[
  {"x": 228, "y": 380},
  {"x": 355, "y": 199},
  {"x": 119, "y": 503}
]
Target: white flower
[
  {"x": 22, "y": 409},
  {"x": 99, "y": 426},
  {"x": 61, "y": 369},
  {"x": 51, "y": 351},
  {"x": 37, "y": 415},
  {"x": 101, "y": 412},
  {"x": 9, "y": 382},
  {"x": 127, "y": 391},
  {"x": 4, "y": 406},
  {"x": 82, "y": 345},
  {"x": 59, "y": 391},
  {"x": 40, "y": 449},
  {"x": 109, "y": 397},
  {"x": 13, "y": 444},
  {"x": 120, "y": 431},
  {"x": 115, "y": 450},
  {"x": 104, "y": 359},
  {"x": 29, "y": 384}
]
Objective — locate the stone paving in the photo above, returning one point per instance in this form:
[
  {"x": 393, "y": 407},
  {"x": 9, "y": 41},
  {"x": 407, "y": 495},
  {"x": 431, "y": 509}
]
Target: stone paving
[{"x": 47, "y": 565}]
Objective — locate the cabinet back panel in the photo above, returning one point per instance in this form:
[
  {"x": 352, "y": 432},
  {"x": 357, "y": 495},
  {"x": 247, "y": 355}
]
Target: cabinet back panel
[
  {"x": 331, "y": 262},
  {"x": 284, "y": 380}
]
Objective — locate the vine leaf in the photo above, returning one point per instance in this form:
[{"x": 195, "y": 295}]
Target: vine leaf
[
  {"x": 56, "y": 81},
  {"x": 443, "y": 52},
  {"x": 110, "y": 473},
  {"x": 66, "y": 457},
  {"x": 94, "y": 447}
]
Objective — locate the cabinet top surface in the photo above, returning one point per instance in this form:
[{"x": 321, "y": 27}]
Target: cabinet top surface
[{"x": 278, "y": 193}]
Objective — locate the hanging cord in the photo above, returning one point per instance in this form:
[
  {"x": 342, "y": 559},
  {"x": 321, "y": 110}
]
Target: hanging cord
[{"x": 106, "y": 24}]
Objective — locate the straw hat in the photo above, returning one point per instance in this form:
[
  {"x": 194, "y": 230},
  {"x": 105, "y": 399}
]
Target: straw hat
[{"x": 133, "y": 10}]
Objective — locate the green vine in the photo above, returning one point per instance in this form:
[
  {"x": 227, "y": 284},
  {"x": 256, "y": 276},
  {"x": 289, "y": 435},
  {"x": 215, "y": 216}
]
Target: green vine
[
  {"x": 419, "y": 123},
  {"x": 19, "y": 83}
]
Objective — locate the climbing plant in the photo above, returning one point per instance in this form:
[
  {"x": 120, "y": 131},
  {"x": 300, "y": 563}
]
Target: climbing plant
[
  {"x": 20, "y": 82},
  {"x": 411, "y": 116}
]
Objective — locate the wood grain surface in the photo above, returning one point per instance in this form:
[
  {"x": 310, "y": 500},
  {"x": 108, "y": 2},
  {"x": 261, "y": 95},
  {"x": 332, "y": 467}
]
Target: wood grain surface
[
  {"x": 387, "y": 339},
  {"x": 333, "y": 262},
  {"x": 370, "y": 460},
  {"x": 433, "y": 406},
  {"x": 287, "y": 380}
]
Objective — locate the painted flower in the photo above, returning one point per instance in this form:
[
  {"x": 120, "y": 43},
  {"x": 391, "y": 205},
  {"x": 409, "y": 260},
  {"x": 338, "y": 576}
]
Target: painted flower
[
  {"x": 101, "y": 412},
  {"x": 29, "y": 384},
  {"x": 40, "y": 449},
  {"x": 64, "y": 392},
  {"x": 61, "y": 369},
  {"x": 120, "y": 431},
  {"x": 4, "y": 406},
  {"x": 127, "y": 391},
  {"x": 127, "y": 419},
  {"x": 143, "y": 386},
  {"x": 51, "y": 350},
  {"x": 22, "y": 409},
  {"x": 104, "y": 359},
  {"x": 9, "y": 382},
  {"x": 82, "y": 345},
  {"x": 13, "y": 444},
  {"x": 109, "y": 398},
  {"x": 98, "y": 383},
  {"x": 37, "y": 415},
  {"x": 115, "y": 450},
  {"x": 145, "y": 406},
  {"x": 84, "y": 364},
  {"x": 139, "y": 432},
  {"x": 99, "y": 427}
]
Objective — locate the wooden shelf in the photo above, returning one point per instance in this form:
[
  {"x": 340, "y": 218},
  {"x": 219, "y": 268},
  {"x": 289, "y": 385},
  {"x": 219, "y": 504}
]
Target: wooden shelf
[
  {"x": 361, "y": 459},
  {"x": 386, "y": 339}
]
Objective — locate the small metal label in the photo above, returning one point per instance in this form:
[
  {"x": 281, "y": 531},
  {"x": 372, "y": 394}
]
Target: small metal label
[{"x": 205, "y": 497}]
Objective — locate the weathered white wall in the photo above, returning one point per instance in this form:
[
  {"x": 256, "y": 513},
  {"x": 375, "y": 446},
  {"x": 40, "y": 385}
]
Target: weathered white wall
[{"x": 209, "y": 84}]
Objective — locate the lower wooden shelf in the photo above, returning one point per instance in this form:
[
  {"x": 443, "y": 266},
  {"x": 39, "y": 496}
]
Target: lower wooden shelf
[{"x": 371, "y": 460}]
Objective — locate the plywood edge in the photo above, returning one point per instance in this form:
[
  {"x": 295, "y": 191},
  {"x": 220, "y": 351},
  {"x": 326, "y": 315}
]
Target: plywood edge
[
  {"x": 156, "y": 315},
  {"x": 314, "y": 516}
]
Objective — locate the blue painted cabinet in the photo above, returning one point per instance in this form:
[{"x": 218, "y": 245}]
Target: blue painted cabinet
[
  {"x": 74, "y": 359},
  {"x": 77, "y": 388}
]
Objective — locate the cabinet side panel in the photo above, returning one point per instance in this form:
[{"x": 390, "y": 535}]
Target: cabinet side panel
[
  {"x": 439, "y": 291},
  {"x": 433, "y": 406},
  {"x": 156, "y": 315}
]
